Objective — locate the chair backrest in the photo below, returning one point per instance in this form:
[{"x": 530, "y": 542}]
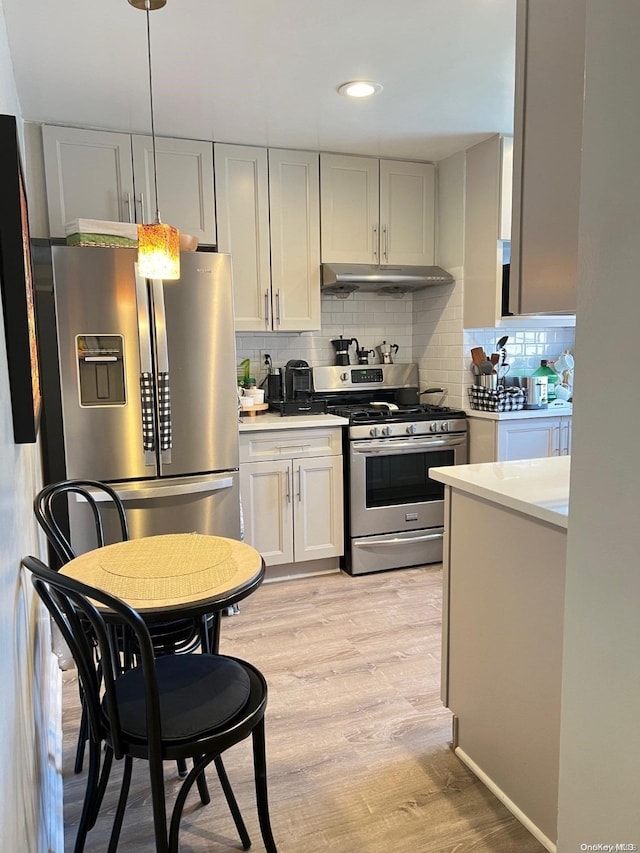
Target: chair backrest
[
  {"x": 95, "y": 652},
  {"x": 50, "y": 509}
]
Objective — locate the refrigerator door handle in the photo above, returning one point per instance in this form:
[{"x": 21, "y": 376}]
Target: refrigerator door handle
[
  {"x": 137, "y": 491},
  {"x": 162, "y": 355},
  {"x": 148, "y": 426}
]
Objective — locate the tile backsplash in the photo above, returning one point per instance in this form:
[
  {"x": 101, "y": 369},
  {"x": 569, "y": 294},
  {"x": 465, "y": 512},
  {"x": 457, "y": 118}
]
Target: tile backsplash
[
  {"x": 426, "y": 326},
  {"x": 369, "y": 318},
  {"x": 525, "y": 347}
]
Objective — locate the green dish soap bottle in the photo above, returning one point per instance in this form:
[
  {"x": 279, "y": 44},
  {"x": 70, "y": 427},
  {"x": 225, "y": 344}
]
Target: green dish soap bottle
[{"x": 552, "y": 378}]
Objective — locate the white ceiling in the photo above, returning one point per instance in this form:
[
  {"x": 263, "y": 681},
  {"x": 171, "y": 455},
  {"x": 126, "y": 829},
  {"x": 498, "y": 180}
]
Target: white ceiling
[{"x": 265, "y": 72}]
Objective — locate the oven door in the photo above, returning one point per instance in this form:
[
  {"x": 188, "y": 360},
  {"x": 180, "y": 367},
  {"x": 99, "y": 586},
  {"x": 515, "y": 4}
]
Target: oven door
[{"x": 390, "y": 486}]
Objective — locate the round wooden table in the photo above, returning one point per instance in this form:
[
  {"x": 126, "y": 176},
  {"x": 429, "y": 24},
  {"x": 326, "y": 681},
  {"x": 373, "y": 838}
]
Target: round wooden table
[{"x": 172, "y": 575}]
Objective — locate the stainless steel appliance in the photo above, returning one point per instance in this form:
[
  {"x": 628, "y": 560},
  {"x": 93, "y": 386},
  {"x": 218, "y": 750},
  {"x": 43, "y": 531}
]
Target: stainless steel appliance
[
  {"x": 148, "y": 389},
  {"x": 345, "y": 278},
  {"x": 394, "y": 510}
]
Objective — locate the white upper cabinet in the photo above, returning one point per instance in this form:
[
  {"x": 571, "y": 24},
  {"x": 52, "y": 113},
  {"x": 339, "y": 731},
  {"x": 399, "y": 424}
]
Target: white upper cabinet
[
  {"x": 349, "y": 209},
  {"x": 294, "y": 204},
  {"x": 407, "y": 213},
  {"x": 549, "y": 98},
  {"x": 268, "y": 218},
  {"x": 242, "y": 207},
  {"x": 487, "y": 222},
  {"x": 185, "y": 184},
  {"x": 88, "y": 174},
  {"x": 376, "y": 211},
  {"x": 93, "y": 174}
]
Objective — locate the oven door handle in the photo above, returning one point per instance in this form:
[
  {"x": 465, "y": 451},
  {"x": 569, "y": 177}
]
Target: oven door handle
[
  {"x": 426, "y": 538},
  {"x": 391, "y": 446}
]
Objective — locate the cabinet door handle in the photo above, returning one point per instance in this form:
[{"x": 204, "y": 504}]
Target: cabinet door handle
[
  {"x": 278, "y": 307},
  {"x": 375, "y": 244},
  {"x": 142, "y": 210},
  {"x": 299, "y": 492},
  {"x": 131, "y": 214},
  {"x": 385, "y": 242},
  {"x": 288, "y": 493},
  {"x": 556, "y": 449},
  {"x": 567, "y": 433},
  {"x": 267, "y": 324}
]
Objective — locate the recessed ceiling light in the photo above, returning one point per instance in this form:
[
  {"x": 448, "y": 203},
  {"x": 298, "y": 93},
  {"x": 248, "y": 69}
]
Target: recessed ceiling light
[{"x": 359, "y": 89}]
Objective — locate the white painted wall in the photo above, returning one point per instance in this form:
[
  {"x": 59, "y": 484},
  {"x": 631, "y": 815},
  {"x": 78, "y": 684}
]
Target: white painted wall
[
  {"x": 600, "y": 735},
  {"x": 25, "y": 661}
]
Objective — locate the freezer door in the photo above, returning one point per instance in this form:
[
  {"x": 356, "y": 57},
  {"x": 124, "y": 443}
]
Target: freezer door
[
  {"x": 197, "y": 361},
  {"x": 100, "y": 352},
  {"x": 209, "y": 505}
]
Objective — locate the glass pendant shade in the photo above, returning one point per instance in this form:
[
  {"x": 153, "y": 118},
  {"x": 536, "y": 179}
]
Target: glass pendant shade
[{"x": 159, "y": 251}]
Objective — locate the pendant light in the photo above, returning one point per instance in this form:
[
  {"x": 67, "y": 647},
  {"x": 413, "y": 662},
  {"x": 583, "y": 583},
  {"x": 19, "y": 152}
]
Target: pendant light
[{"x": 158, "y": 243}]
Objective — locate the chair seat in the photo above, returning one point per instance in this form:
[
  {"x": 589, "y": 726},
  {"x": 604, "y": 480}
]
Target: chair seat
[{"x": 198, "y": 694}]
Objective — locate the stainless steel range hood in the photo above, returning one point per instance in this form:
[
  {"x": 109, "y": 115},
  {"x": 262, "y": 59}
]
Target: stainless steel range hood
[{"x": 345, "y": 278}]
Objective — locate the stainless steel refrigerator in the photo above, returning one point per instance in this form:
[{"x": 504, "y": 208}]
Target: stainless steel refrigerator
[{"x": 148, "y": 389}]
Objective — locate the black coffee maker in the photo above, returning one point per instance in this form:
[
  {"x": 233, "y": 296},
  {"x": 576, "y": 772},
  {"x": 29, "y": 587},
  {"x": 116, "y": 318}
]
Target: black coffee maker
[
  {"x": 291, "y": 390},
  {"x": 298, "y": 380},
  {"x": 341, "y": 346}
]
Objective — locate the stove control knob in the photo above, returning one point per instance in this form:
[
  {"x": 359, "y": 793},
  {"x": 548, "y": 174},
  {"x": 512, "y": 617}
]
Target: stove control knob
[
  {"x": 433, "y": 427},
  {"x": 387, "y": 430},
  {"x": 412, "y": 429},
  {"x": 344, "y": 377},
  {"x": 444, "y": 426},
  {"x": 374, "y": 432}
]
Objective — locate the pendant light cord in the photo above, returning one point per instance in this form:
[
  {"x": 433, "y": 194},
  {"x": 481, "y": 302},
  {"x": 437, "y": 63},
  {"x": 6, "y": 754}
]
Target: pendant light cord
[{"x": 153, "y": 128}]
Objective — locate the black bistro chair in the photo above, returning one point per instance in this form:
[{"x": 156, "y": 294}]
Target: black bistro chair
[
  {"x": 171, "y": 637},
  {"x": 165, "y": 708}
]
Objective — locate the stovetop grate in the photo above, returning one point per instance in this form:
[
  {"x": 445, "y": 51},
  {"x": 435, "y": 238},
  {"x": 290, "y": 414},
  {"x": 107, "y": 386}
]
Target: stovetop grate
[{"x": 364, "y": 414}]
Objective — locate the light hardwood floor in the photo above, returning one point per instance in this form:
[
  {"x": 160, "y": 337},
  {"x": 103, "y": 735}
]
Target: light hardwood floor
[{"x": 358, "y": 743}]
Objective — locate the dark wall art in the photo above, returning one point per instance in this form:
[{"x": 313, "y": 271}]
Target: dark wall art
[{"x": 16, "y": 285}]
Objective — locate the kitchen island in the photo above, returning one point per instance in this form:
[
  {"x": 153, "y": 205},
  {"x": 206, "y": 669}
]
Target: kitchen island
[{"x": 503, "y": 612}]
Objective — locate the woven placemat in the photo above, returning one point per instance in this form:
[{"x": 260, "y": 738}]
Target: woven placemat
[{"x": 158, "y": 570}]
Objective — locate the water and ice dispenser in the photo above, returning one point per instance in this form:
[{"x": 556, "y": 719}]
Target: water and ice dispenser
[{"x": 100, "y": 360}]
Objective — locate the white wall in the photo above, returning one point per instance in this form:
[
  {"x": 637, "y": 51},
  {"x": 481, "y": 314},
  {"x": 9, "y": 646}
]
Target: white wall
[
  {"x": 600, "y": 734},
  {"x": 25, "y": 661}
]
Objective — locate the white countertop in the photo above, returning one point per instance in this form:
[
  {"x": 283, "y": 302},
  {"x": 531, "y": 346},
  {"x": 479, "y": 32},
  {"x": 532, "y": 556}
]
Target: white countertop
[
  {"x": 535, "y": 487},
  {"x": 272, "y": 420},
  {"x": 553, "y": 410}
]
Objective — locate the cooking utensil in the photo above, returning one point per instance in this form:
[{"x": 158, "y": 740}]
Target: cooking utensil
[
  {"x": 486, "y": 367},
  {"x": 478, "y": 355},
  {"x": 390, "y": 406},
  {"x": 494, "y": 358}
]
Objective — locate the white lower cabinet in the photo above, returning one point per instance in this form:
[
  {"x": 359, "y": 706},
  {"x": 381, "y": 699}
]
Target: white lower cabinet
[
  {"x": 526, "y": 438},
  {"x": 292, "y": 502}
]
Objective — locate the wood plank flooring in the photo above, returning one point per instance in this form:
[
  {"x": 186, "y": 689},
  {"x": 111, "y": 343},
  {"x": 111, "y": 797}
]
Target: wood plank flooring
[{"x": 358, "y": 743}]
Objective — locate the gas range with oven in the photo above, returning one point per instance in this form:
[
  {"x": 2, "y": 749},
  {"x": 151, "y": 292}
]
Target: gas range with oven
[{"x": 394, "y": 512}]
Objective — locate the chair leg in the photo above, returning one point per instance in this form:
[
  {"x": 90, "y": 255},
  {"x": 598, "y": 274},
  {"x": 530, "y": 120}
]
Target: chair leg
[
  {"x": 195, "y": 773},
  {"x": 102, "y": 785},
  {"x": 158, "y": 802},
  {"x": 260, "y": 770},
  {"x": 93, "y": 773},
  {"x": 182, "y": 767},
  {"x": 232, "y": 803},
  {"x": 203, "y": 790},
  {"x": 122, "y": 803},
  {"x": 83, "y": 735}
]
